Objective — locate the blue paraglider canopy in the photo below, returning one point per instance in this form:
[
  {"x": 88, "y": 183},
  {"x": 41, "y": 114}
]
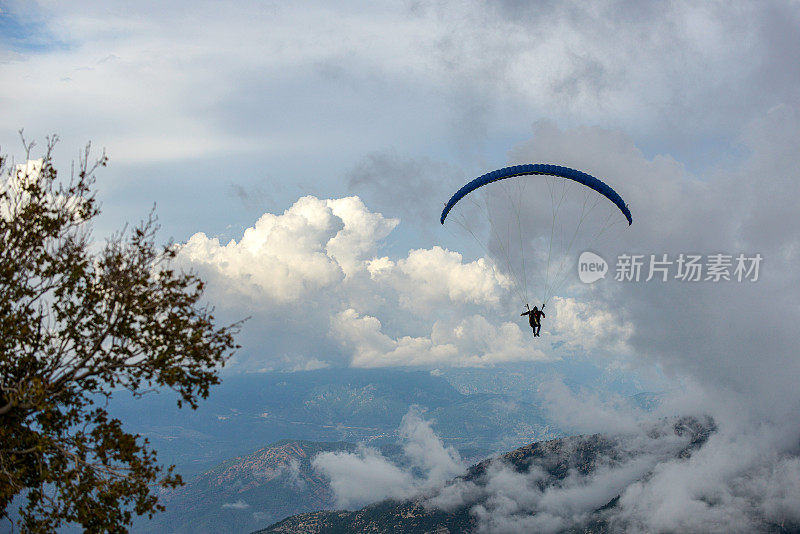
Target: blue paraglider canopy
[{"x": 541, "y": 169}]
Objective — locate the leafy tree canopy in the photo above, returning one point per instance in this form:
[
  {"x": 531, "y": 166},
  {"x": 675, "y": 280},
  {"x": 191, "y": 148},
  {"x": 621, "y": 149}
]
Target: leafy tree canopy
[{"x": 78, "y": 320}]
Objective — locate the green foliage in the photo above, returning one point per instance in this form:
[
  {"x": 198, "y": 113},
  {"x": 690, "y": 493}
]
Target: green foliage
[{"x": 78, "y": 320}]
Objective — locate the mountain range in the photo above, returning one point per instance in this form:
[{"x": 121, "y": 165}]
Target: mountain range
[
  {"x": 269, "y": 484},
  {"x": 569, "y": 484}
]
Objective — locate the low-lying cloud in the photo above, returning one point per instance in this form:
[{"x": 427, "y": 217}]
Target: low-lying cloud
[{"x": 367, "y": 476}]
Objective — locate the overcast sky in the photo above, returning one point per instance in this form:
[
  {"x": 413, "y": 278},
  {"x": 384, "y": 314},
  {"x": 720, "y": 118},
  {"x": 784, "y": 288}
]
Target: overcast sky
[{"x": 301, "y": 154}]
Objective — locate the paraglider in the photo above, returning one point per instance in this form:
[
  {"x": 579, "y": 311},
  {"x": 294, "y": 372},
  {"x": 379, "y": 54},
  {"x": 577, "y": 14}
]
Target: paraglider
[
  {"x": 524, "y": 243},
  {"x": 535, "y": 317}
]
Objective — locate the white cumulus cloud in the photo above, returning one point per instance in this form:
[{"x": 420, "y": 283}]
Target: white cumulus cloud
[{"x": 319, "y": 291}]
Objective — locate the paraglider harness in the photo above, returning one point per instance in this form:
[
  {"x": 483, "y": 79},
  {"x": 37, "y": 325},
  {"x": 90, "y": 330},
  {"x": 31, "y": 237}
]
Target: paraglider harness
[{"x": 533, "y": 319}]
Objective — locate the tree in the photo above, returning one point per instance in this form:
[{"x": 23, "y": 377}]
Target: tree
[{"x": 79, "y": 320}]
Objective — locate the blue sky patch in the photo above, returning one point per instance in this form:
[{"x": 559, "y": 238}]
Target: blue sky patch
[{"x": 25, "y": 34}]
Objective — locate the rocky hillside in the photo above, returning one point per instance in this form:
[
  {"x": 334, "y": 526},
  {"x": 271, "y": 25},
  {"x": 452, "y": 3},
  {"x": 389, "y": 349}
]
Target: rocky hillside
[{"x": 245, "y": 492}]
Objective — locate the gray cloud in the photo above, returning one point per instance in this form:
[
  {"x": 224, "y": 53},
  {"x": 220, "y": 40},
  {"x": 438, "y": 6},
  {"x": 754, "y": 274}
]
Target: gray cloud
[
  {"x": 278, "y": 78},
  {"x": 402, "y": 186},
  {"x": 254, "y": 197},
  {"x": 732, "y": 345}
]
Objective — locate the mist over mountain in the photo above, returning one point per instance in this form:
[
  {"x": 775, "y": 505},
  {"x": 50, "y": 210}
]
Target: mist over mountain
[
  {"x": 347, "y": 428},
  {"x": 569, "y": 484},
  {"x": 269, "y": 484},
  {"x": 276, "y": 481}
]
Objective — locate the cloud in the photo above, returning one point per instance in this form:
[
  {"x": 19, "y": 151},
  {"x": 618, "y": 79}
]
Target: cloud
[
  {"x": 711, "y": 332},
  {"x": 424, "y": 450},
  {"x": 238, "y": 505},
  {"x": 677, "y": 73},
  {"x": 292, "y": 472},
  {"x": 319, "y": 289},
  {"x": 733, "y": 482},
  {"x": 588, "y": 411},
  {"x": 367, "y": 476},
  {"x": 436, "y": 276},
  {"x": 470, "y": 342},
  {"x": 288, "y": 248},
  {"x": 401, "y": 184},
  {"x": 362, "y": 478},
  {"x": 711, "y": 338},
  {"x": 588, "y": 325},
  {"x": 373, "y": 348},
  {"x": 543, "y": 498},
  {"x": 736, "y": 483}
]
